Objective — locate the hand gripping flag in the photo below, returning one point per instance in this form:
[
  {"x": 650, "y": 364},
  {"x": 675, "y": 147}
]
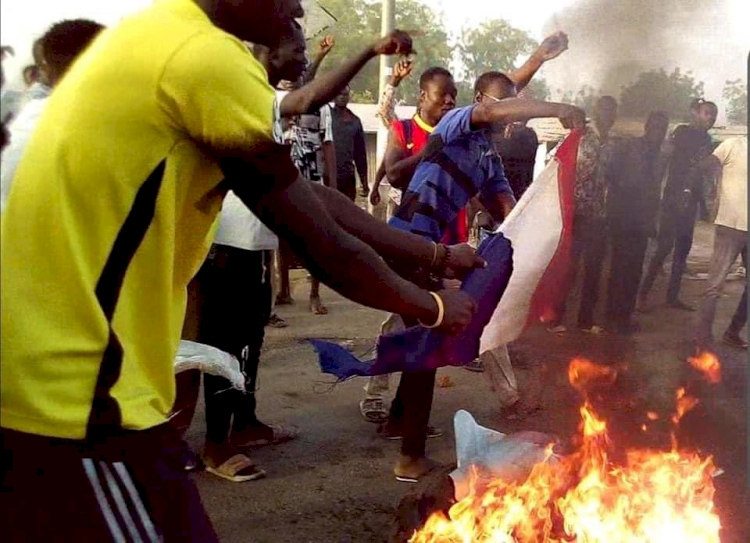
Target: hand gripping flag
[{"x": 522, "y": 284}]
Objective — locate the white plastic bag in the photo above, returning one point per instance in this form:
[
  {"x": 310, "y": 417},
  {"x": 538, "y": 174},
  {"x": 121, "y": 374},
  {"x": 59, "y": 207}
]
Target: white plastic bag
[
  {"x": 197, "y": 356},
  {"x": 492, "y": 454}
]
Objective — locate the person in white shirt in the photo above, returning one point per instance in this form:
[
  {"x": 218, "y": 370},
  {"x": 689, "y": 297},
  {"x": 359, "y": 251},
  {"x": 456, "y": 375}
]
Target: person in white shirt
[
  {"x": 55, "y": 52},
  {"x": 730, "y": 158}
]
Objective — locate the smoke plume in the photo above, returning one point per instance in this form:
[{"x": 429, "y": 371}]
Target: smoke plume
[{"x": 612, "y": 41}]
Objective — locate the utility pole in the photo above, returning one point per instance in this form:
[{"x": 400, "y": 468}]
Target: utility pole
[{"x": 387, "y": 25}]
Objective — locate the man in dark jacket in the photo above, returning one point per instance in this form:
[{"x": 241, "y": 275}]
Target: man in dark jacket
[{"x": 634, "y": 184}]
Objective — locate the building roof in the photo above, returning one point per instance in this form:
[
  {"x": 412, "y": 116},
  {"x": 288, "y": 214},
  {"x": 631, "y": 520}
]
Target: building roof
[{"x": 370, "y": 121}]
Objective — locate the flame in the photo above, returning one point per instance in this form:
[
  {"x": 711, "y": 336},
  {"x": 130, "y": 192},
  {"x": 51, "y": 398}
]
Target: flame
[
  {"x": 653, "y": 496},
  {"x": 708, "y": 364}
]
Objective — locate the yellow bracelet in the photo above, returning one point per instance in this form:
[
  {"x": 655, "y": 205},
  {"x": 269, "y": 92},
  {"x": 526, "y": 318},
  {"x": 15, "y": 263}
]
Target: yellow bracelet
[
  {"x": 441, "y": 311},
  {"x": 434, "y": 255}
]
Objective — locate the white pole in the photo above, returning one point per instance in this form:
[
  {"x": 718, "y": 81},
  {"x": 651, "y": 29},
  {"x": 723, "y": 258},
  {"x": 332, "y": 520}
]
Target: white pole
[{"x": 387, "y": 25}]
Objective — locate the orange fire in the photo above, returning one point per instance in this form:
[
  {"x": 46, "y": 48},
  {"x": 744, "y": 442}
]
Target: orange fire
[
  {"x": 653, "y": 496},
  {"x": 708, "y": 364}
]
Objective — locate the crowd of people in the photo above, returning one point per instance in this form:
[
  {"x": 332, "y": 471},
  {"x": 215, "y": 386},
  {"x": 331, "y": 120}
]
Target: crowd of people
[{"x": 160, "y": 208}]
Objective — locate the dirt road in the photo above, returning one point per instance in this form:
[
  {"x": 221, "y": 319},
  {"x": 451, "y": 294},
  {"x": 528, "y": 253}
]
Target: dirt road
[{"x": 335, "y": 484}]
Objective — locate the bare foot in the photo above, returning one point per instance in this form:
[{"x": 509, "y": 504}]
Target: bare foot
[
  {"x": 317, "y": 308},
  {"x": 409, "y": 469}
]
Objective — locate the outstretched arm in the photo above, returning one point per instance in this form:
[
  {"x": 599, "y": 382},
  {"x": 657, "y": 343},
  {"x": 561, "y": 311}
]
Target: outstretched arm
[
  {"x": 511, "y": 110},
  {"x": 406, "y": 248},
  {"x": 325, "y": 88},
  {"x": 288, "y": 204}
]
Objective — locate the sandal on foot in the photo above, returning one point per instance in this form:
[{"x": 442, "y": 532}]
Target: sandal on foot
[
  {"x": 276, "y": 434},
  {"x": 237, "y": 469},
  {"x": 373, "y": 410},
  {"x": 274, "y": 321},
  {"x": 317, "y": 308}
]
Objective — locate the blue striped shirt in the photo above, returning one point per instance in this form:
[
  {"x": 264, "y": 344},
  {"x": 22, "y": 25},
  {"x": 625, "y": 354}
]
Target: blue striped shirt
[{"x": 459, "y": 163}]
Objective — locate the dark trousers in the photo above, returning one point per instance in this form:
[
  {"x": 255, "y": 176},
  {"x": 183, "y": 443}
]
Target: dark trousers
[
  {"x": 347, "y": 184},
  {"x": 628, "y": 253},
  {"x": 589, "y": 246},
  {"x": 236, "y": 300},
  {"x": 675, "y": 234},
  {"x": 739, "y": 320},
  {"x": 131, "y": 488},
  {"x": 411, "y": 407}
]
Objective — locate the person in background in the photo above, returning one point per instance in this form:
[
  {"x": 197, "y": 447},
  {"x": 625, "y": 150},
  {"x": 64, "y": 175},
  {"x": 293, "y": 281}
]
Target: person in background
[
  {"x": 729, "y": 161},
  {"x": 517, "y": 145},
  {"x": 689, "y": 144},
  {"x": 634, "y": 178},
  {"x": 589, "y": 221},
  {"x": 311, "y": 138},
  {"x": 56, "y": 50},
  {"x": 351, "y": 152}
]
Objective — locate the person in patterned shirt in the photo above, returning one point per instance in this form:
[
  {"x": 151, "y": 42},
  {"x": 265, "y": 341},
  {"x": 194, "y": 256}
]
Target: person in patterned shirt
[{"x": 589, "y": 223}]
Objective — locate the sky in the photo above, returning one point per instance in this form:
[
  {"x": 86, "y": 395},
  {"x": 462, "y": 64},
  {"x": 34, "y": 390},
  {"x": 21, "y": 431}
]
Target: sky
[{"x": 21, "y": 21}]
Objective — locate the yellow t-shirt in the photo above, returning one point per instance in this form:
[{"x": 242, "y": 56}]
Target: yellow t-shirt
[{"x": 109, "y": 217}]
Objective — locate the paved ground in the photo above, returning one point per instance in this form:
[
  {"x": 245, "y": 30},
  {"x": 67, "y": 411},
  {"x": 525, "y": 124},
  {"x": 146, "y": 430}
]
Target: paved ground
[{"x": 334, "y": 483}]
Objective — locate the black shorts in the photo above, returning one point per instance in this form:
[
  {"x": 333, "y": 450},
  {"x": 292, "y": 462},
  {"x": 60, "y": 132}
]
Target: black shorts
[{"x": 133, "y": 488}]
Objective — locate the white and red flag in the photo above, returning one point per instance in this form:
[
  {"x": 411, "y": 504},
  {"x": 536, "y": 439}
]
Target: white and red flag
[{"x": 540, "y": 229}]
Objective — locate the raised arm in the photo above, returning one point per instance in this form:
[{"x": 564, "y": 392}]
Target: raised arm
[
  {"x": 326, "y": 87},
  {"x": 387, "y": 103},
  {"x": 324, "y": 47},
  {"x": 550, "y": 48}
]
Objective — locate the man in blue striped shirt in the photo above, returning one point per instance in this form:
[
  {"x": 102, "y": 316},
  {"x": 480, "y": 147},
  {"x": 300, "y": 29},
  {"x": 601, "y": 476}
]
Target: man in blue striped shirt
[{"x": 458, "y": 163}]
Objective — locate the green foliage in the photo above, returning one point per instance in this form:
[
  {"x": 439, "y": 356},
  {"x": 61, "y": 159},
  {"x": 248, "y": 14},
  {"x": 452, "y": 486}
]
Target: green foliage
[
  {"x": 659, "y": 90},
  {"x": 735, "y": 98},
  {"x": 494, "y": 45}
]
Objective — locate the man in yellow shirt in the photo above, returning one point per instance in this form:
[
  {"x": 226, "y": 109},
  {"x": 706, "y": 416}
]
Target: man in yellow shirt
[{"x": 109, "y": 217}]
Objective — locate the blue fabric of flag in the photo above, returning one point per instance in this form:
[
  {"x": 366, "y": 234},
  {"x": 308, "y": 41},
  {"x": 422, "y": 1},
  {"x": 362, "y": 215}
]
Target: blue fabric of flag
[{"x": 419, "y": 348}]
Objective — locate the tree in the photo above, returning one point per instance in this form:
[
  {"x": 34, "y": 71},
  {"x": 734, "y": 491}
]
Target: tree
[
  {"x": 494, "y": 45},
  {"x": 735, "y": 98},
  {"x": 659, "y": 90},
  {"x": 358, "y": 24}
]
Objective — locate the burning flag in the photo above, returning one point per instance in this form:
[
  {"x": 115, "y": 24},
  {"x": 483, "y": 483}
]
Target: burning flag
[{"x": 653, "y": 496}]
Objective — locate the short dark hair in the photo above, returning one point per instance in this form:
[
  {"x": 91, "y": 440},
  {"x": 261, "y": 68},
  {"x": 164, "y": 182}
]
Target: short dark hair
[
  {"x": 65, "y": 40},
  {"x": 611, "y": 100},
  {"x": 431, "y": 73},
  {"x": 484, "y": 81}
]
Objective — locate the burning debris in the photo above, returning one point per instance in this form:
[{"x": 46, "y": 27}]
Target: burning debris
[{"x": 652, "y": 496}]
